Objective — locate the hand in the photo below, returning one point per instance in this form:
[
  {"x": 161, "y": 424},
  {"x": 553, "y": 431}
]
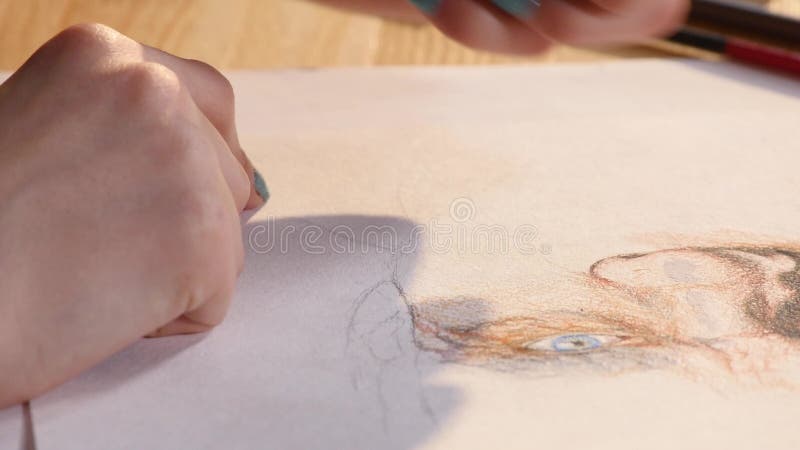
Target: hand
[
  {"x": 519, "y": 26},
  {"x": 121, "y": 187}
]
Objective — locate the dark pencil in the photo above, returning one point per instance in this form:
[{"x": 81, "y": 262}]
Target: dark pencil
[
  {"x": 746, "y": 18},
  {"x": 740, "y": 50}
]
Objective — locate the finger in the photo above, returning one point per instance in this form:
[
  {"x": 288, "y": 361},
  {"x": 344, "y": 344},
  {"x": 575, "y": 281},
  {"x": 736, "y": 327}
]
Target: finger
[
  {"x": 607, "y": 21},
  {"x": 225, "y": 268},
  {"x": 214, "y": 96},
  {"x": 238, "y": 182},
  {"x": 222, "y": 272},
  {"x": 203, "y": 319},
  {"x": 478, "y": 24},
  {"x": 180, "y": 325}
]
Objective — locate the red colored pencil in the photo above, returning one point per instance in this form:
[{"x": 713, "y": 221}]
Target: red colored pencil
[{"x": 740, "y": 50}]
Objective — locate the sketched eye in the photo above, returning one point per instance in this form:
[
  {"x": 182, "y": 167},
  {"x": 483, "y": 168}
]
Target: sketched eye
[{"x": 572, "y": 343}]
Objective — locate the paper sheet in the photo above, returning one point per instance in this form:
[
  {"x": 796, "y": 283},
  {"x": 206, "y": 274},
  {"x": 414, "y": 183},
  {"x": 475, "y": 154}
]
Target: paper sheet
[
  {"x": 590, "y": 256},
  {"x": 12, "y": 428}
]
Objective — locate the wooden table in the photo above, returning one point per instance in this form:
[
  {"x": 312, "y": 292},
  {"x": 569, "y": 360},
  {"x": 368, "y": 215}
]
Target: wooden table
[{"x": 264, "y": 33}]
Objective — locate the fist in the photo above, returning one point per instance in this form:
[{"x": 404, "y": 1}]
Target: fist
[{"x": 121, "y": 187}]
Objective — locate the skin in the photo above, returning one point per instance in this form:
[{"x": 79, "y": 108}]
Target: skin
[
  {"x": 122, "y": 183},
  {"x": 479, "y": 24}
]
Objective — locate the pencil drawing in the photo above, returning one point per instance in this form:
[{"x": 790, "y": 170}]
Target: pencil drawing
[{"x": 731, "y": 310}]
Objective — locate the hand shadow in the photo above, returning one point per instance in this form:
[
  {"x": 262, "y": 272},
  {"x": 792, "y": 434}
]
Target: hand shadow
[{"x": 318, "y": 351}]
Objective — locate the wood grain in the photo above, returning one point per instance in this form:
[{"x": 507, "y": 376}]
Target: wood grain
[{"x": 265, "y": 33}]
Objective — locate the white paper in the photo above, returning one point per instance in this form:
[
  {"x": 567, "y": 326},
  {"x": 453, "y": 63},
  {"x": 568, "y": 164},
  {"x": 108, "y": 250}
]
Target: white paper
[
  {"x": 12, "y": 428},
  {"x": 335, "y": 341}
]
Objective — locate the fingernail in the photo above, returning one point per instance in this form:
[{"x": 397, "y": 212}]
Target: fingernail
[
  {"x": 520, "y": 8},
  {"x": 429, "y": 7},
  {"x": 260, "y": 185}
]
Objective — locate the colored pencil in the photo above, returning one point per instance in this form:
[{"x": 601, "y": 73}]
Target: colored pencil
[
  {"x": 740, "y": 50},
  {"x": 739, "y": 17}
]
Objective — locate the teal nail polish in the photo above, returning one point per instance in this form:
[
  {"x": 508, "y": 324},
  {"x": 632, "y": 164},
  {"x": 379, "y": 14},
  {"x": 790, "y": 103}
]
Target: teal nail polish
[
  {"x": 261, "y": 186},
  {"x": 518, "y": 8},
  {"x": 427, "y": 6}
]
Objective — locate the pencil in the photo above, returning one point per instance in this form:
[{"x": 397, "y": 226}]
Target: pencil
[
  {"x": 746, "y": 18},
  {"x": 740, "y": 50}
]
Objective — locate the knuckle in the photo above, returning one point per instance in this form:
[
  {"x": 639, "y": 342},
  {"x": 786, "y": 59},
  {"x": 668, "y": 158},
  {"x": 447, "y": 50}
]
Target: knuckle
[
  {"x": 89, "y": 41},
  {"x": 150, "y": 92},
  {"x": 222, "y": 88},
  {"x": 150, "y": 81}
]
